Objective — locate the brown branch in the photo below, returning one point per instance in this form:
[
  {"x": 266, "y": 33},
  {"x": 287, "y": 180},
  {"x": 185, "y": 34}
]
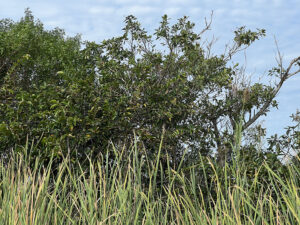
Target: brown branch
[
  {"x": 207, "y": 24},
  {"x": 284, "y": 76}
]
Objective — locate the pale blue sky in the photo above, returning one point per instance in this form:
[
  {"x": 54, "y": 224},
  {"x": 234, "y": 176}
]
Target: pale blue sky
[{"x": 101, "y": 19}]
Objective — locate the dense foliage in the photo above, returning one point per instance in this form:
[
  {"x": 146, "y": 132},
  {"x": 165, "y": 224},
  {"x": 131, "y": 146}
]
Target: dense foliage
[
  {"x": 126, "y": 131},
  {"x": 98, "y": 195},
  {"x": 62, "y": 96}
]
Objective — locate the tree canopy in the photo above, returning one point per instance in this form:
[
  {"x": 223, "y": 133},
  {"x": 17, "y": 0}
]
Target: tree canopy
[{"x": 61, "y": 95}]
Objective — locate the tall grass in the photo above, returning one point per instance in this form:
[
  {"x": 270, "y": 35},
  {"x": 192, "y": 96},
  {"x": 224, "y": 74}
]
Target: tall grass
[{"x": 133, "y": 190}]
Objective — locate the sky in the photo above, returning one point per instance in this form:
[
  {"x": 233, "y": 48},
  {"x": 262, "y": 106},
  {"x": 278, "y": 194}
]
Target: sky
[{"x": 97, "y": 20}]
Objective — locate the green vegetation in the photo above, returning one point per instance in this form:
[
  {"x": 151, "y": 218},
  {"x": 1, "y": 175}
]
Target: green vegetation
[
  {"x": 139, "y": 129},
  {"x": 200, "y": 194}
]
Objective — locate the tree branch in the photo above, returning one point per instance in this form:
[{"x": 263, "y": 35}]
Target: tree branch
[{"x": 284, "y": 76}]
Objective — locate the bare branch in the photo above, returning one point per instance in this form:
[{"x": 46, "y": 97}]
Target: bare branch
[
  {"x": 207, "y": 24},
  {"x": 292, "y": 74},
  {"x": 284, "y": 76},
  {"x": 280, "y": 57}
]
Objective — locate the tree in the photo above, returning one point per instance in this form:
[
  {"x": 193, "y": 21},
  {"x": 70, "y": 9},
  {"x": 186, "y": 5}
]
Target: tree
[
  {"x": 195, "y": 95},
  {"x": 288, "y": 144},
  {"x": 42, "y": 74},
  {"x": 88, "y": 95}
]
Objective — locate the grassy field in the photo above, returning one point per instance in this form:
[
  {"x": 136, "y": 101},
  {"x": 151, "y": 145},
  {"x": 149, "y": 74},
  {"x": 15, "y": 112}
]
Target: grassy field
[{"x": 122, "y": 194}]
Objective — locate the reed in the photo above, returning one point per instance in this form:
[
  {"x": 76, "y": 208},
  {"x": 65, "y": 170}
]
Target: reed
[{"x": 118, "y": 194}]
